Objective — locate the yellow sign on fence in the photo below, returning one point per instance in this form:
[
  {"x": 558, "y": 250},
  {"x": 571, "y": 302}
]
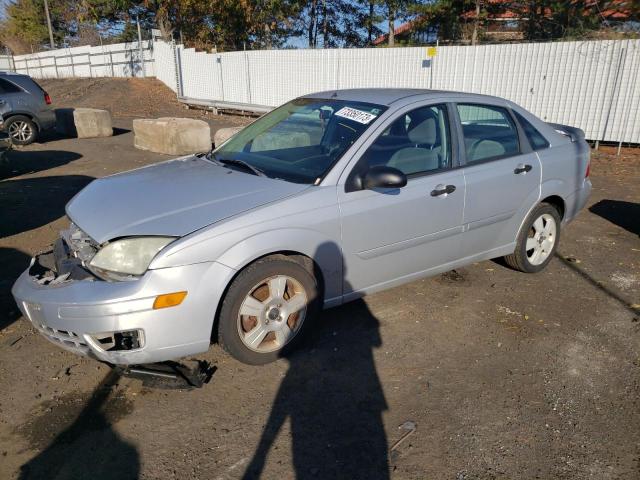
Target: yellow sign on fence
[{"x": 431, "y": 52}]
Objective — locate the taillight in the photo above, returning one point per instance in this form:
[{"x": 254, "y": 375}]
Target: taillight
[
  {"x": 47, "y": 98},
  {"x": 586, "y": 175}
]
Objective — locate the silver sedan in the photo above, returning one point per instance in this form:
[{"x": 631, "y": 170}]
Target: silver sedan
[{"x": 327, "y": 198}]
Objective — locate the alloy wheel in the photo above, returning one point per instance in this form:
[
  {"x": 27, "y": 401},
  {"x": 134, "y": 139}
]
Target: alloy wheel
[
  {"x": 20, "y": 131},
  {"x": 272, "y": 313},
  {"x": 541, "y": 239}
]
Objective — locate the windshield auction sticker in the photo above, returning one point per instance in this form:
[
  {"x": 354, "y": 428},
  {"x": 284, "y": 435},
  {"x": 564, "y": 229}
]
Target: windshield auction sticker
[{"x": 355, "y": 115}]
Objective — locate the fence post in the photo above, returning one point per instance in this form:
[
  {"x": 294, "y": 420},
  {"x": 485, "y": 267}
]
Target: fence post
[
  {"x": 246, "y": 62},
  {"x": 219, "y": 61},
  {"x": 40, "y": 66},
  {"x": 178, "y": 68},
  {"x": 111, "y": 62},
  {"x": 613, "y": 95},
  {"x": 628, "y": 101},
  {"x": 55, "y": 64},
  {"x": 73, "y": 67}
]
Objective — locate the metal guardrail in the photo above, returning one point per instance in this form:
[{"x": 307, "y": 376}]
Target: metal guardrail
[{"x": 220, "y": 105}]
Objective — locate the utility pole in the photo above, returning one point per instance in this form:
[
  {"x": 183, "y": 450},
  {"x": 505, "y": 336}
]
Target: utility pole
[
  {"x": 46, "y": 11},
  {"x": 140, "y": 49}
]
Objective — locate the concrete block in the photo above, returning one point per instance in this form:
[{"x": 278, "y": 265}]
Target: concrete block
[
  {"x": 223, "y": 134},
  {"x": 83, "y": 122},
  {"x": 173, "y": 136}
]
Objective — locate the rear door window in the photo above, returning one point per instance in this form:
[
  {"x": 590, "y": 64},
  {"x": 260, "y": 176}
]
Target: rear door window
[{"x": 489, "y": 132}]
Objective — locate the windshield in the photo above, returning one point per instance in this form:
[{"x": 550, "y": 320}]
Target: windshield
[{"x": 301, "y": 140}]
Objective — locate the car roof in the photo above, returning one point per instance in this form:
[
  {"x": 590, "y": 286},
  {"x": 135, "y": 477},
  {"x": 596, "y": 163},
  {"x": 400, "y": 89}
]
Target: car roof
[
  {"x": 387, "y": 96},
  {"x": 6, "y": 73}
]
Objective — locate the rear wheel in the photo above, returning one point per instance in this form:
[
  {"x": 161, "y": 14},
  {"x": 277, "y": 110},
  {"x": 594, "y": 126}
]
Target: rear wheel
[
  {"x": 266, "y": 310},
  {"x": 21, "y": 129},
  {"x": 537, "y": 240}
]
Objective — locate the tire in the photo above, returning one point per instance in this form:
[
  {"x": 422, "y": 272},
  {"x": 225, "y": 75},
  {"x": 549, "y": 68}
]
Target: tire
[
  {"x": 21, "y": 129},
  {"x": 541, "y": 231},
  {"x": 283, "y": 295}
]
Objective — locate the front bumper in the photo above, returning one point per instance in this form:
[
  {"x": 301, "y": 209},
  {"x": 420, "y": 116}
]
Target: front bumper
[{"x": 72, "y": 312}]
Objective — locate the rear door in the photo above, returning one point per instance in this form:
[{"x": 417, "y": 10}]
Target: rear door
[
  {"x": 7, "y": 95},
  {"x": 502, "y": 175},
  {"x": 392, "y": 235}
]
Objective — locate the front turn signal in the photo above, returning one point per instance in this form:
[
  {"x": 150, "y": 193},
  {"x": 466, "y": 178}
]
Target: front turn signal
[{"x": 169, "y": 300}]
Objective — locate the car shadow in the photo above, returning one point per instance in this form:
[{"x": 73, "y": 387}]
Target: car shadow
[
  {"x": 13, "y": 262},
  {"x": 623, "y": 214},
  {"x": 30, "y": 203},
  {"x": 22, "y": 162},
  {"x": 598, "y": 285},
  {"x": 333, "y": 399},
  {"x": 89, "y": 447}
]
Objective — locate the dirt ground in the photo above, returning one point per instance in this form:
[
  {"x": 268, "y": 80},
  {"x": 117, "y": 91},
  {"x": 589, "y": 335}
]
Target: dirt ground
[{"x": 504, "y": 375}]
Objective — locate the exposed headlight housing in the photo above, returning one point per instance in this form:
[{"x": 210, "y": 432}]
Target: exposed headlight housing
[{"x": 128, "y": 256}]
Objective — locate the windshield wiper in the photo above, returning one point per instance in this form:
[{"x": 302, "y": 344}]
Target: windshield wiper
[{"x": 239, "y": 163}]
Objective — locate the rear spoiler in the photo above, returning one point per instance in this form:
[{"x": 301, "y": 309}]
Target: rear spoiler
[{"x": 573, "y": 133}]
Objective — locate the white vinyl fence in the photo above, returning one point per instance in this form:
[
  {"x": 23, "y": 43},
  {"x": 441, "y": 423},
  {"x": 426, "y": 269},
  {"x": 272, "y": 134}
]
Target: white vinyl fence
[
  {"x": 594, "y": 85},
  {"x": 116, "y": 60}
]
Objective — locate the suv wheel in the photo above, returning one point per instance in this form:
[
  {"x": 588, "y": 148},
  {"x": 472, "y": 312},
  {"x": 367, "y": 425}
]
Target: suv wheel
[
  {"x": 266, "y": 310},
  {"x": 21, "y": 129},
  {"x": 537, "y": 240}
]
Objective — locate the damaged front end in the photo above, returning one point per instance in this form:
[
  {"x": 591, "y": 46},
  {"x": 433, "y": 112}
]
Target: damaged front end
[{"x": 68, "y": 259}]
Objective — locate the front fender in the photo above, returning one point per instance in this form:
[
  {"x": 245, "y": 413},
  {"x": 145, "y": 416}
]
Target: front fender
[
  {"x": 227, "y": 250},
  {"x": 324, "y": 251}
]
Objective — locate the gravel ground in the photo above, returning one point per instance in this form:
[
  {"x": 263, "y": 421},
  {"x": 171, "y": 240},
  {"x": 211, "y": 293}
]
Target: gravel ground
[{"x": 503, "y": 375}]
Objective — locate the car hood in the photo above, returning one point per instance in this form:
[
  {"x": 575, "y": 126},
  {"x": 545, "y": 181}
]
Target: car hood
[{"x": 172, "y": 198}]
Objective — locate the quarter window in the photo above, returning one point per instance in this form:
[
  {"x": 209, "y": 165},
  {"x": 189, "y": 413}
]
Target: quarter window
[
  {"x": 489, "y": 132},
  {"x": 416, "y": 142},
  {"x": 8, "y": 87},
  {"x": 536, "y": 140}
]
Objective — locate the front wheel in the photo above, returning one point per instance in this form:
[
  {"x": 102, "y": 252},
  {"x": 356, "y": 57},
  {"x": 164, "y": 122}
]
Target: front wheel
[
  {"x": 537, "y": 240},
  {"x": 266, "y": 310}
]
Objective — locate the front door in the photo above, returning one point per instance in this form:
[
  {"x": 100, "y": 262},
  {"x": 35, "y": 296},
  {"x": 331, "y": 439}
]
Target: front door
[{"x": 393, "y": 235}]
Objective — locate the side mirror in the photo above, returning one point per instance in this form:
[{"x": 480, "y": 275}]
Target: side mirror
[{"x": 382, "y": 176}]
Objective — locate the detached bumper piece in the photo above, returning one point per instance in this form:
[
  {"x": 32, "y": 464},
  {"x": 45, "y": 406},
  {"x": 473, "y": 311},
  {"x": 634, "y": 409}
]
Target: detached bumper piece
[{"x": 171, "y": 375}]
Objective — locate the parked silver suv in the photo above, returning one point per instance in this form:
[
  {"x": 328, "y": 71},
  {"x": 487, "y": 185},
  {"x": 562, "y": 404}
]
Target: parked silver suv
[{"x": 25, "y": 108}]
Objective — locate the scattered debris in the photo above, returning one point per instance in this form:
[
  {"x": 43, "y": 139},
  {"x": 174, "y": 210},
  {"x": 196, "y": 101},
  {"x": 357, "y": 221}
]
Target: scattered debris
[
  {"x": 409, "y": 428},
  {"x": 508, "y": 311},
  {"x": 453, "y": 276},
  {"x": 171, "y": 375},
  {"x": 624, "y": 281},
  {"x": 572, "y": 260}
]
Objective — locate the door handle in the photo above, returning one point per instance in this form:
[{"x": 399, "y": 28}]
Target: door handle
[
  {"x": 522, "y": 168},
  {"x": 443, "y": 190}
]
